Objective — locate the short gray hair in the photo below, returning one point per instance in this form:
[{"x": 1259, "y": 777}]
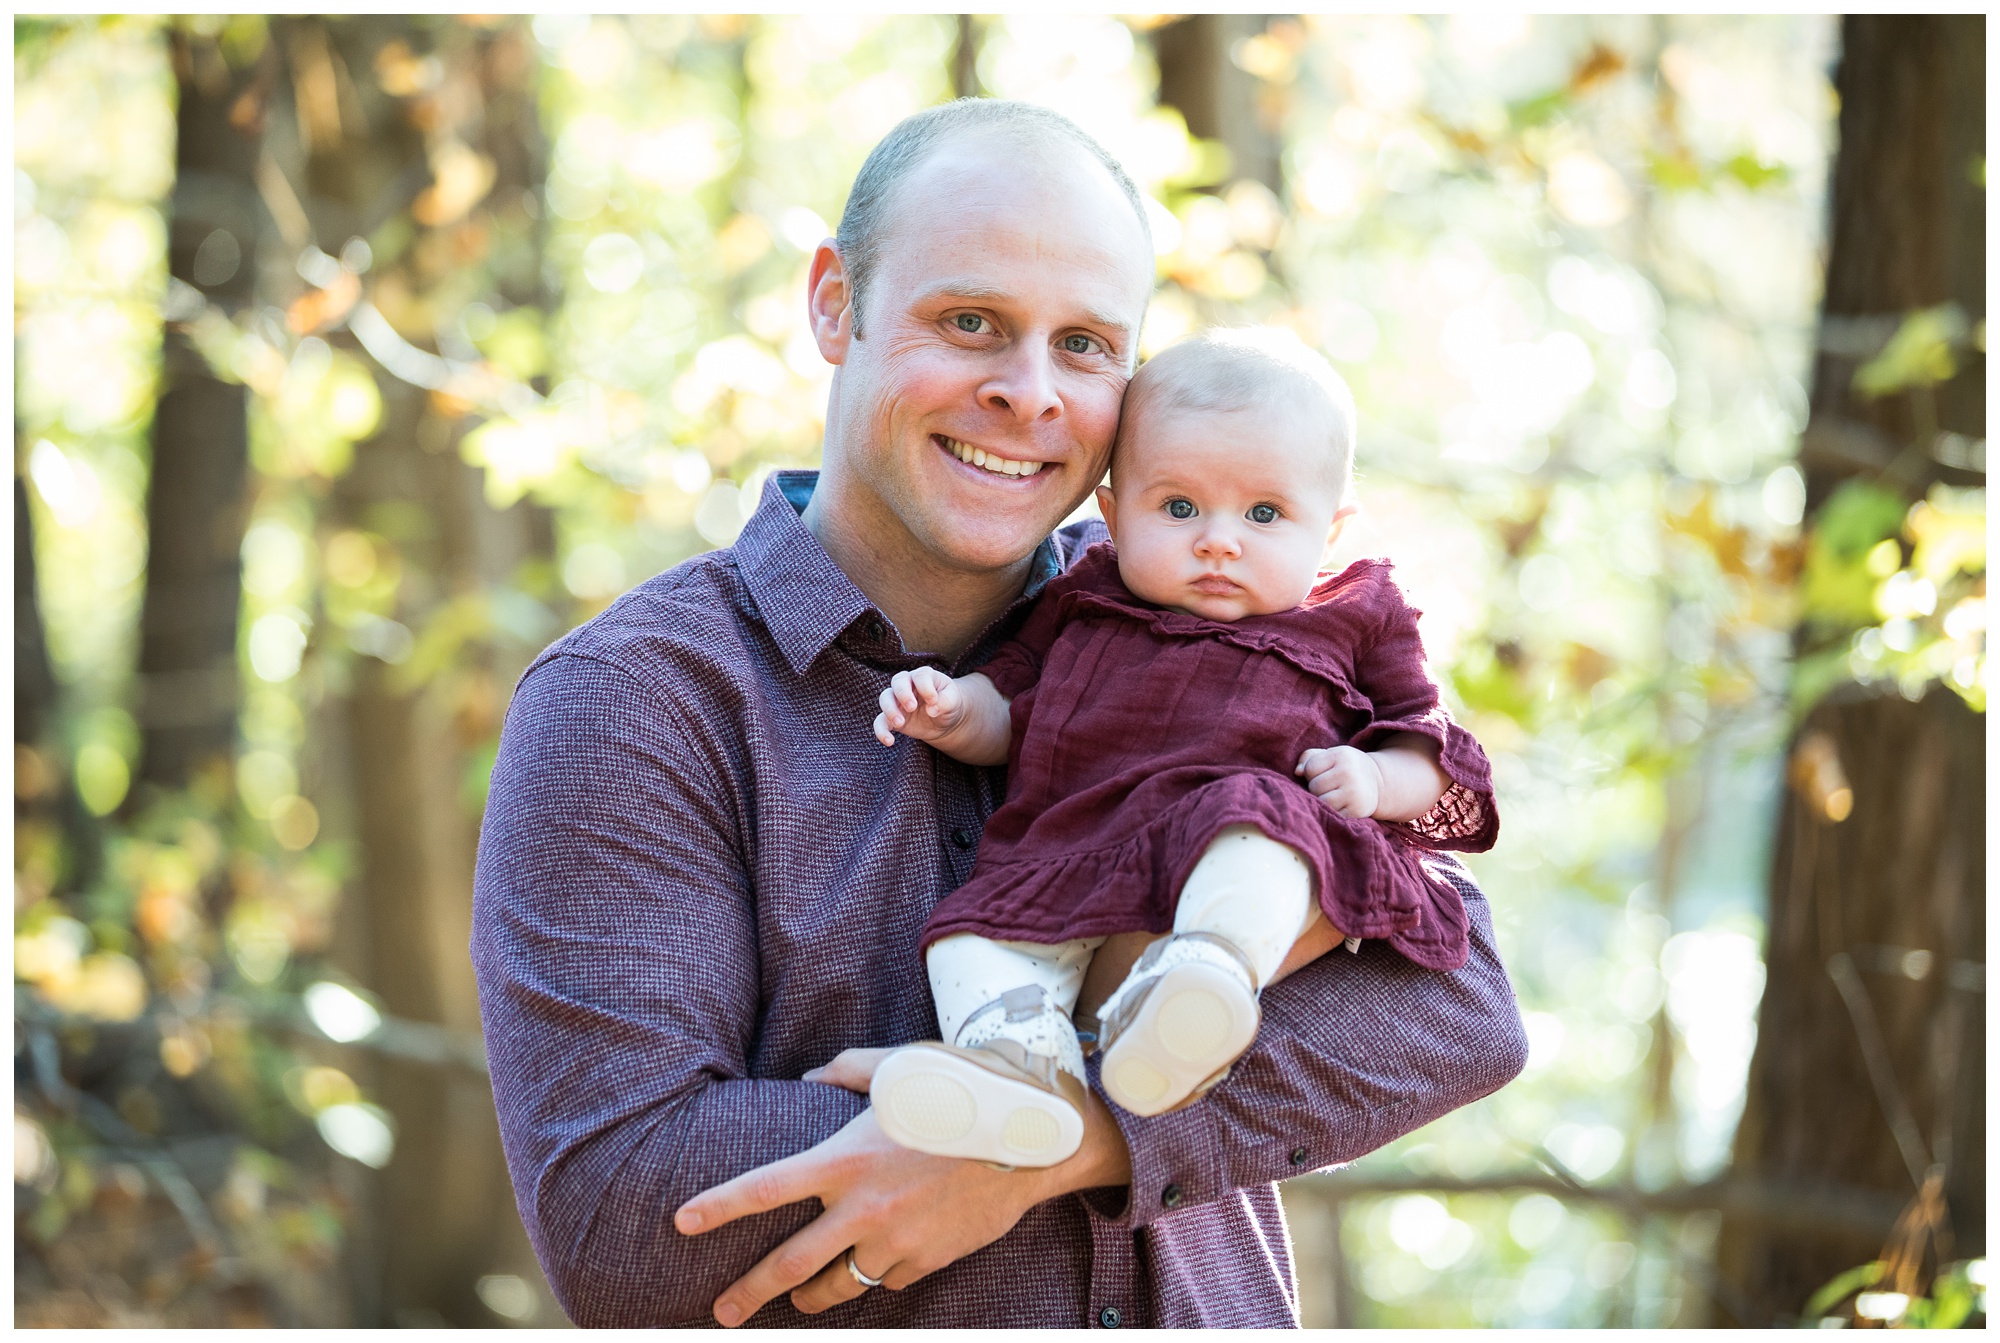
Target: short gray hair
[
  {"x": 863, "y": 221},
  {"x": 1227, "y": 369}
]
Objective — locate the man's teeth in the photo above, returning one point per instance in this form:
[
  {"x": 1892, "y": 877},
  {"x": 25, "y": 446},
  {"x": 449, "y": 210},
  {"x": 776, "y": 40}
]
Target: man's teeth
[{"x": 990, "y": 461}]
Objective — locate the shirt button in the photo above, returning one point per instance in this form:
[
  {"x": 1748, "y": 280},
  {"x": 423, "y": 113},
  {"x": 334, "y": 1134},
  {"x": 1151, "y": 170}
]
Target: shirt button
[
  {"x": 1110, "y": 1318},
  {"x": 1171, "y": 1196},
  {"x": 876, "y": 629},
  {"x": 962, "y": 838},
  {"x": 1298, "y": 1156}
]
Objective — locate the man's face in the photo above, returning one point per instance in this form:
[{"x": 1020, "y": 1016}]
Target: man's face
[{"x": 1000, "y": 324}]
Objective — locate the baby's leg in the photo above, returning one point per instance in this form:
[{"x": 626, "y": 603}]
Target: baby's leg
[
  {"x": 1253, "y": 891},
  {"x": 1189, "y": 1007},
  {"x": 1007, "y": 1083}
]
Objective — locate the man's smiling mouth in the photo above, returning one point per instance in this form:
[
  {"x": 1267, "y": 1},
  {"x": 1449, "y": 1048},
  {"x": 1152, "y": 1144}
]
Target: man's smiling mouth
[{"x": 991, "y": 462}]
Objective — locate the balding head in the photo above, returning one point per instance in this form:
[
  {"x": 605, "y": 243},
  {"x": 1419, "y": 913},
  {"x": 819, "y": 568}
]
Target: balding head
[{"x": 1033, "y": 132}]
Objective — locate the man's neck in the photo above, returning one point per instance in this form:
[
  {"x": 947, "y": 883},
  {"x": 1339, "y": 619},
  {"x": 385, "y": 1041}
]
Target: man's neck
[{"x": 935, "y": 607}]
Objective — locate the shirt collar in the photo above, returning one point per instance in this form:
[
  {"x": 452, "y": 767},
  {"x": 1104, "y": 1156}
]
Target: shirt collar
[{"x": 805, "y": 599}]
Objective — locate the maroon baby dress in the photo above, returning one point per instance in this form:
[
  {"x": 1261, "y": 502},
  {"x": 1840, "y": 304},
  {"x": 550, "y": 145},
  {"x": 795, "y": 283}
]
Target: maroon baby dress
[{"x": 1139, "y": 733}]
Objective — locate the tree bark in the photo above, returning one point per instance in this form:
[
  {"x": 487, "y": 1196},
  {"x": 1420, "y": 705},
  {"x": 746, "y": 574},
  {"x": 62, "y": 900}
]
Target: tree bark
[
  {"x": 1218, "y": 99},
  {"x": 1907, "y": 231},
  {"x": 442, "y": 1214},
  {"x": 1898, "y": 889},
  {"x": 1869, "y": 1064},
  {"x": 195, "y": 502}
]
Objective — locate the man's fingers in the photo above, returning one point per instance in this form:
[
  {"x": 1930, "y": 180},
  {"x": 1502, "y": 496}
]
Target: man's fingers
[
  {"x": 834, "y": 1284},
  {"x": 853, "y": 1069},
  {"x": 753, "y": 1191},
  {"x": 798, "y": 1260}
]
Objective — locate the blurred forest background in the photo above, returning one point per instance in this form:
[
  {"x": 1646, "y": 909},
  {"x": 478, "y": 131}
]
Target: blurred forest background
[{"x": 356, "y": 359}]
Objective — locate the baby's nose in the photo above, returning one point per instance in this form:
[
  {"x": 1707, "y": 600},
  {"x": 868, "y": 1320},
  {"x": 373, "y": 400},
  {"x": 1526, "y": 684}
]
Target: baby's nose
[{"x": 1218, "y": 541}]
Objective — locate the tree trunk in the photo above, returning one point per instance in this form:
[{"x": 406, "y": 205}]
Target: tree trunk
[
  {"x": 195, "y": 501},
  {"x": 1869, "y": 1066},
  {"x": 1908, "y": 231},
  {"x": 1218, "y": 99},
  {"x": 34, "y": 678},
  {"x": 442, "y": 1214}
]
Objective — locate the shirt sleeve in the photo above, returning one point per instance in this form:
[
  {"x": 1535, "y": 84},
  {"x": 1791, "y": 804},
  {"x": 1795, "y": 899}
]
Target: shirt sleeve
[
  {"x": 1390, "y": 671},
  {"x": 1354, "y": 1052},
  {"x": 615, "y": 945}
]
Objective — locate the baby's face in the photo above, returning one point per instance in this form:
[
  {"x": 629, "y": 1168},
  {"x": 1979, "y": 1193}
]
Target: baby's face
[{"x": 1223, "y": 515}]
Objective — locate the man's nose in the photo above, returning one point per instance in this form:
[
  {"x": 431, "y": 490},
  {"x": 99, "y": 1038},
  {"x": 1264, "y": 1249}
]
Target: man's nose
[{"x": 1025, "y": 384}]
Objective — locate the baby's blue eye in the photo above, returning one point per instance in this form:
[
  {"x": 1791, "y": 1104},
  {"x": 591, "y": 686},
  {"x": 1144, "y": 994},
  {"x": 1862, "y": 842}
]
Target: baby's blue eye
[
  {"x": 1180, "y": 509},
  {"x": 1263, "y": 513},
  {"x": 969, "y": 321}
]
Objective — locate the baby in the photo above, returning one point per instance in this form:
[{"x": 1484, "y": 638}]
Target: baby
[{"x": 1204, "y": 737}]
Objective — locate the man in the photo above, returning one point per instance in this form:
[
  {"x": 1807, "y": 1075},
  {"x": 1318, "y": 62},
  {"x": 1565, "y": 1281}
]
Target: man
[{"x": 701, "y": 877}]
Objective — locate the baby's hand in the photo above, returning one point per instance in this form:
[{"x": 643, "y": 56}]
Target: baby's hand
[
  {"x": 925, "y": 704},
  {"x": 1344, "y": 778}
]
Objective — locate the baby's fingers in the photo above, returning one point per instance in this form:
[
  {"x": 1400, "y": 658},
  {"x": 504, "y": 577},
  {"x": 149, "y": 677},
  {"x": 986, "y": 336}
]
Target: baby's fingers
[
  {"x": 1327, "y": 781},
  {"x": 882, "y": 732},
  {"x": 1315, "y": 761}
]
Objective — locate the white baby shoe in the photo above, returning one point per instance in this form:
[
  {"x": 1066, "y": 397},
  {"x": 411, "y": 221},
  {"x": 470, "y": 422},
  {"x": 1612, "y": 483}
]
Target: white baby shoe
[
  {"x": 1008, "y": 1091},
  {"x": 1185, "y": 1013}
]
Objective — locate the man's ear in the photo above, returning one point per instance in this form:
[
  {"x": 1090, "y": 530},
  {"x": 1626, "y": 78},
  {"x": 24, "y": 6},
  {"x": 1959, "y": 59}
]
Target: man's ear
[
  {"x": 1107, "y": 504},
  {"x": 1340, "y": 517},
  {"x": 830, "y": 303}
]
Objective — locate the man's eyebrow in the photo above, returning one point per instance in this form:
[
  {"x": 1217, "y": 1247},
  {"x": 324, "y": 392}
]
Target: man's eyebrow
[{"x": 976, "y": 292}]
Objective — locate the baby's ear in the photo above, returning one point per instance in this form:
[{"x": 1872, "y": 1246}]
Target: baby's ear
[
  {"x": 1107, "y": 504},
  {"x": 1340, "y": 517}
]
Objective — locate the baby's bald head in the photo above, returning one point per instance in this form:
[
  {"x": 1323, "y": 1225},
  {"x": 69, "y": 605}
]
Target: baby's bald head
[{"x": 1229, "y": 370}]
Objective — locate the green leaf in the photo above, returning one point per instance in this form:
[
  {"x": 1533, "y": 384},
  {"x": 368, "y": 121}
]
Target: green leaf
[
  {"x": 1920, "y": 354},
  {"x": 1843, "y": 1287},
  {"x": 1755, "y": 173},
  {"x": 1674, "y": 172},
  {"x": 1539, "y": 110}
]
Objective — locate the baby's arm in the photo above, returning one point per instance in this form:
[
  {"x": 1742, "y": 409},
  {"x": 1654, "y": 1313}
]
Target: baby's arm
[
  {"x": 965, "y": 717},
  {"x": 1399, "y": 782}
]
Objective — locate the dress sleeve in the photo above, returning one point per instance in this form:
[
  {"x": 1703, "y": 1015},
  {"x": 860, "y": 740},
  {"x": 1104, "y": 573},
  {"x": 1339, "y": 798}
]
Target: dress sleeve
[
  {"x": 1354, "y": 1052},
  {"x": 615, "y": 944},
  {"x": 1390, "y": 672},
  {"x": 1017, "y": 664}
]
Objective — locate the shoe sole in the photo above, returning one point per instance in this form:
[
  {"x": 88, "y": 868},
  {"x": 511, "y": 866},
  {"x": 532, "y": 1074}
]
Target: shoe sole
[
  {"x": 1196, "y": 1022},
  {"x": 933, "y": 1101}
]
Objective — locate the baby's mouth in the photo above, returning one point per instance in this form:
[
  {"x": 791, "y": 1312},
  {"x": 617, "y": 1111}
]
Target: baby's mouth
[
  {"x": 1216, "y": 585},
  {"x": 991, "y": 462}
]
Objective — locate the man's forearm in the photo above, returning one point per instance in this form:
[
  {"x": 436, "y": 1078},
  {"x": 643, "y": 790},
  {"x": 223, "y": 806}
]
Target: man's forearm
[
  {"x": 603, "y": 1210},
  {"x": 1354, "y": 1052}
]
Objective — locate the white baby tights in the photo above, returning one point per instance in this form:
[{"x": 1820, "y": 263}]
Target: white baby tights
[{"x": 1035, "y": 987}]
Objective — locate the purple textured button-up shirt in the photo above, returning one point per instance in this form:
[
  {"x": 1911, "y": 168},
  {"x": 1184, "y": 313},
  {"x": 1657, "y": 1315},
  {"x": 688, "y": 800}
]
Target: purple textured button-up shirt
[{"x": 701, "y": 875}]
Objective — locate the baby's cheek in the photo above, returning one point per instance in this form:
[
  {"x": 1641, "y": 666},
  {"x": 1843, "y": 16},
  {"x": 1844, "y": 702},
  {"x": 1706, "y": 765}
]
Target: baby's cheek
[{"x": 1147, "y": 567}]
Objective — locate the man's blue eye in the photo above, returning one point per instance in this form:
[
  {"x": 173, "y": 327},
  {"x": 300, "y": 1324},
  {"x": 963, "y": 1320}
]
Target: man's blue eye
[
  {"x": 1263, "y": 513},
  {"x": 1077, "y": 344},
  {"x": 1181, "y": 509},
  {"x": 968, "y": 321}
]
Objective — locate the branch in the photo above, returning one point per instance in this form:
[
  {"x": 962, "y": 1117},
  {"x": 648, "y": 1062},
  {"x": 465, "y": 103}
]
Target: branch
[{"x": 1818, "y": 1205}]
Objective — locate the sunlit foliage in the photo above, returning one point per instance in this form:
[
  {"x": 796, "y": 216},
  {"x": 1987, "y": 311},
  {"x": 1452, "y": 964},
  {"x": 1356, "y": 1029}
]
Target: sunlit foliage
[{"x": 1569, "y": 266}]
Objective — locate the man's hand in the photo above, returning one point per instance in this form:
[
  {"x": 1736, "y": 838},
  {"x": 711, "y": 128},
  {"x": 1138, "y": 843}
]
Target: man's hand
[
  {"x": 925, "y": 704},
  {"x": 1346, "y": 779},
  {"x": 905, "y": 1214}
]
